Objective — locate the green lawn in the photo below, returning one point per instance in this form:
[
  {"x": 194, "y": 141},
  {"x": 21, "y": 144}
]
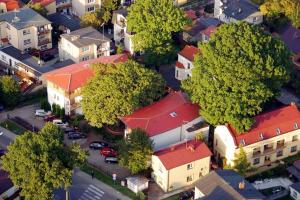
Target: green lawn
[
  {"x": 108, "y": 180},
  {"x": 174, "y": 197},
  {"x": 13, "y": 127}
]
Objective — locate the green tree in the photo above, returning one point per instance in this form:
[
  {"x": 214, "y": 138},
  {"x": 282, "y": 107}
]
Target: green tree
[
  {"x": 10, "y": 92},
  {"x": 241, "y": 164},
  {"x": 124, "y": 88},
  {"x": 120, "y": 49},
  {"x": 239, "y": 70},
  {"x": 93, "y": 19},
  {"x": 136, "y": 151},
  {"x": 289, "y": 8},
  {"x": 40, "y": 163},
  {"x": 107, "y": 7},
  {"x": 38, "y": 8},
  {"x": 153, "y": 22},
  {"x": 45, "y": 105}
]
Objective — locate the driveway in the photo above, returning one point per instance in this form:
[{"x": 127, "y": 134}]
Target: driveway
[
  {"x": 284, "y": 182},
  {"x": 27, "y": 113}
]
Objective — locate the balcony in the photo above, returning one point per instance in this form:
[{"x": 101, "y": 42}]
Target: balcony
[
  {"x": 121, "y": 23},
  {"x": 280, "y": 146},
  {"x": 43, "y": 42},
  {"x": 43, "y": 32},
  {"x": 269, "y": 150},
  {"x": 256, "y": 154}
]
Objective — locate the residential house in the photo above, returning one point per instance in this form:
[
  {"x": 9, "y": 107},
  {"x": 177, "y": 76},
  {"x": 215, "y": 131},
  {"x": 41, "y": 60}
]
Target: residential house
[
  {"x": 26, "y": 66},
  {"x": 121, "y": 35},
  {"x": 8, "y": 5},
  {"x": 184, "y": 65},
  {"x": 295, "y": 191},
  {"x": 64, "y": 6},
  {"x": 64, "y": 84},
  {"x": 83, "y": 44},
  {"x": 25, "y": 29},
  {"x": 197, "y": 31},
  {"x": 274, "y": 136},
  {"x": 66, "y": 23},
  {"x": 294, "y": 170},
  {"x": 180, "y": 165},
  {"x": 80, "y": 7},
  {"x": 237, "y": 10},
  {"x": 7, "y": 189},
  {"x": 225, "y": 185},
  {"x": 49, "y": 5},
  {"x": 170, "y": 120}
]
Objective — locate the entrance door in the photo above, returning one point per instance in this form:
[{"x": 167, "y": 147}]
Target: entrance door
[{"x": 10, "y": 62}]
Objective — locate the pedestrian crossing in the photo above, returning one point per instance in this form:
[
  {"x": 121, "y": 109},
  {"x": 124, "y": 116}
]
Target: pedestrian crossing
[{"x": 92, "y": 193}]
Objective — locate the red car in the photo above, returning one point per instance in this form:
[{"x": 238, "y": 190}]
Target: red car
[
  {"x": 107, "y": 151},
  {"x": 49, "y": 118}
]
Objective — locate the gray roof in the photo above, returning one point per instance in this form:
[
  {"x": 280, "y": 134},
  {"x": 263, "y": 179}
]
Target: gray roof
[
  {"x": 121, "y": 12},
  {"x": 32, "y": 64},
  {"x": 86, "y": 36},
  {"x": 68, "y": 21},
  {"x": 224, "y": 184},
  {"x": 25, "y": 17},
  {"x": 296, "y": 186},
  {"x": 232, "y": 8}
]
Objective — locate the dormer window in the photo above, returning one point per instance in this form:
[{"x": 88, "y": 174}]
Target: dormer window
[
  {"x": 296, "y": 125},
  {"x": 261, "y": 136},
  {"x": 173, "y": 114},
  {"x": 242, "y": 142},
  {"x": 277, "y": 131}
]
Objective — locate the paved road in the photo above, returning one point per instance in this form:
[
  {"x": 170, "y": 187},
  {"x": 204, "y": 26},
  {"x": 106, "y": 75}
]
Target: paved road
[
  {"x": 86, "y": 188},
  {"x": 6, "y": 137}
]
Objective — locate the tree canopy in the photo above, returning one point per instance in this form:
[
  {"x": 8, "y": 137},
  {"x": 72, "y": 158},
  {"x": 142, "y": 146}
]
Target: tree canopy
[
  {"x": 9, "y": 91},
  {"x": 117, "y": 90},
  {"x": 289, "y": 8},
  {"x": 238, "y": 71},
  {"x": 241, "y": 164},
  {"x": 93, "y": 19},
  {"x": 136, "y": 151},
  {"x": 39, "y": 163},
  {"x": 153, "y": 22},
  {"x": 38, "y": 8},
  {"x": 107, "y": 7}
]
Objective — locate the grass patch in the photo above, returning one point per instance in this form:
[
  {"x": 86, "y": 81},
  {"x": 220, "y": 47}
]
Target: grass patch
[
  {"x": 13, "y": 127},
  {"x": 108, "y": 180},
  {"x": 174, "y": 197}
]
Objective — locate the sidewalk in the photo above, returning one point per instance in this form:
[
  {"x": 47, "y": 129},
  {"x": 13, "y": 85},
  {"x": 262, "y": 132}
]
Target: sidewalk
[{"x": 106, "y": 188}]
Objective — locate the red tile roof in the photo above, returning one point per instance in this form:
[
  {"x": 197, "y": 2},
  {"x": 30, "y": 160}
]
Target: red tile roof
[
  {"x": 43, "y": 2},
  {"x": 160, "y": 112},
  {"x": 209, "y": 30},
  {"x": 75, "y": 76},
  {"x": 179, "y": 65},
  {"x": 191, "y": 14},
  {"x": 189, "y": 52},
  {"x": 268, "y": 124},
  {"x": 183, "y": 154},
  {"x": 11, "y": 4}
]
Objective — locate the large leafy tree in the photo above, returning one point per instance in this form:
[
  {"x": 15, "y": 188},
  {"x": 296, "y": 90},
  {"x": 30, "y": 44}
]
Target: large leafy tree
[
  {"x": 39, "y": 163},
  {"x": 153, "y": 22},
  {"x": 136, "y": 151},
  {"x": 107, "y": 7},
  {"x": 93, "y": 19},
  {"x": 117, "y": 90},
  {"x": 238, "y": 71},
  {"x": 38, "y": 8},
  {"x": 9, "y": 91},
  {"x": 289, "y": 8},
  {"x": 240, "y": 163}
]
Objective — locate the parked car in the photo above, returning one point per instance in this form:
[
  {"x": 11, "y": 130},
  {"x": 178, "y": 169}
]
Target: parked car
[
  {"x": 97, "y": 145},
  {"x": 49, "y": 118},
  {"x": 111, "y": 159},
  {"x": 60, "y": 123},
  {"x": 41, "y": 113},
  {"x": 68, "y": 129},
  {"x": 76, "y": 135},
  {"x": 107, "y": 151},
  {"x": 2, "y": 152},
  {"x": 187, "y": 195}
]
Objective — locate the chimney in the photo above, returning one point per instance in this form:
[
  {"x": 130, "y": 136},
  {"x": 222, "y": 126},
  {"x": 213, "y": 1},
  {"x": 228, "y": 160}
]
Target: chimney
[
  {"x": 293, "y": 103},
  {"x": 242, "y": 185}
]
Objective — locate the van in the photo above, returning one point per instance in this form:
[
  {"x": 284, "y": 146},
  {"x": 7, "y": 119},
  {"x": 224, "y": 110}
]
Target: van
[{"x": 111, "y": 159}]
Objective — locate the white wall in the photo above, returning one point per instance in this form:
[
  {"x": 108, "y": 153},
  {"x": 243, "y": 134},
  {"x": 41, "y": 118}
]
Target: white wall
[
  {"x": 294, "y": 194},
  {"x": 184, "y": 73},
  {"x": 56, "y": 97}
]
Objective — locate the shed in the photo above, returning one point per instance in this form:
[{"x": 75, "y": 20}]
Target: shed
[{"x": 137, "y": 183}]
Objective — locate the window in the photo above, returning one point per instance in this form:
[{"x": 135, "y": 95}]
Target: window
[
  {"x": 27, "y": 49},
  {"x": 293, "y": 149},
  {"x": 189, "y": 178},
  {"x": 177, "y": 73},
  {"x": 189, "y": 166},
  {"x": 3, "y": 57},
  {"x": 25, "y": 32},
  {"x": 91, "y": 9},
  {"x": 256, "y": 161},
  {"x": 296, "y": 125},
  {"x": 189, "y": 66},
  {"x": 8, "y": 27},
  {"x": 27, "y": 41},
  {"x": 254, "y": 19},
  {"x": 85, "y": 58},
  {"x": 216, "y": 142},
  {"x": 295, "y": 138},
  {"x": 84, "y": 49},
  {"x": 9, "y": 37},
  {"x": 91, "y": 1},
  {"x": 200, "y": 175},
  {"x": 279, "y": 153},
  {"x": 277, "y": 131}
]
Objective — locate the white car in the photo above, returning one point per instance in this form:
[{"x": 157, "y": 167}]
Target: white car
[
  {"x": 59, "y": 123},
  {"x": 41, "y": 113}
]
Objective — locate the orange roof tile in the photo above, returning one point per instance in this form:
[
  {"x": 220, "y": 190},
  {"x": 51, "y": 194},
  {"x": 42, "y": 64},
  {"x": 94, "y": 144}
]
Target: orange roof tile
[
  {"x": 75, "y": 76},
  {"x": 179, "y": 65},
  {"x": 189, "y": 52},
  {"x": 11, "y": 4},
  {"x": 43, "y": 2},
  {"x": 183, "y": 154}
]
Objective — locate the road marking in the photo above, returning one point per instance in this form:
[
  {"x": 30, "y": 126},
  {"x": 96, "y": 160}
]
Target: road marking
[
  {"x": 92, "y": 186},
  {"x": 95, "y": 192},
  {"x": 88, "y": 196}
]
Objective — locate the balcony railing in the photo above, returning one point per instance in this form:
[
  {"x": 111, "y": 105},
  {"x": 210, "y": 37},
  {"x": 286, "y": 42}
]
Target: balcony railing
[
  {"x": 42, "y": 32},
  {"x": 280, "y": 146},
  {"x": 268, "y": 150},
  {"x": 256, "y": 153}
]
